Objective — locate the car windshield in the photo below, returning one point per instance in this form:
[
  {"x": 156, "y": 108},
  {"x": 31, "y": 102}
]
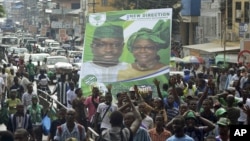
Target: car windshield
[
  {"x": 52, "y": 61},
  {"x": 73, "y": 54},
  {"x": 62, "y": 53},
  {"x": 41, "y": 39},
  {"x": 20, "y": 50},
  {"x": 26, "y": 39},
  {"x": 54, "y": 45},
  {"x": 10, "y": 41},
  {"x": 32, "y": 42}
]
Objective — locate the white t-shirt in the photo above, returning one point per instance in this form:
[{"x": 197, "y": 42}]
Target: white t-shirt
[
  {"x": 70, "y": 97},
  {"x": 4, "y": 76},
  {"x": 243, "y": 115},
  {"x": 103, "y": 74},
  {"x": 147, "y": 123},
  {"x": 101, "y": 109},
  {"x": 24, "y": 82},
  {"x": 1, "y": 85},
  {"x": 27, "y": 99}
]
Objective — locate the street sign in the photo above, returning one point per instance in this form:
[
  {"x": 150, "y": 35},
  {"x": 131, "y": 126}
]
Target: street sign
[
  {"x": 55, "y": 24},
  {"x": 243, "y": 27}
]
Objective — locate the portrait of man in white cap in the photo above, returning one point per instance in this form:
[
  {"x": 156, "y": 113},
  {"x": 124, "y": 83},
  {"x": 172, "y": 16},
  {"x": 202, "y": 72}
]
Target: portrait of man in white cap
[{"x": 106, "y": 47}]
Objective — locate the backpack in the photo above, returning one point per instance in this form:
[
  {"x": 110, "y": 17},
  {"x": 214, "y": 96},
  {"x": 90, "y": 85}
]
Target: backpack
[
  {"x": 80, "y": 129},
  {"x": 122, "y": 135}
]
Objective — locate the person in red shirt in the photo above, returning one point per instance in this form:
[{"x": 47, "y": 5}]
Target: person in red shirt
[{"x": 92, "y": 102}]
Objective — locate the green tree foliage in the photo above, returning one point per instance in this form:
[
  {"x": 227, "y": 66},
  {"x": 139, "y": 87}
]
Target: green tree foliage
[{"x": 2, "y": 12}]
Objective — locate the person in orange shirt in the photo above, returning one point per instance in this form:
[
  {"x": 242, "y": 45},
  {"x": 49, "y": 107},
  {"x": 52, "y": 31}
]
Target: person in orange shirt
[{"x": 159, "y": 133}]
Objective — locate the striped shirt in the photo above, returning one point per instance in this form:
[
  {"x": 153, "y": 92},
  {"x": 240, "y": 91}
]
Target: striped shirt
[
  {"x": 61, "y": 88},
  {"x": 65, "y": 133},
  {"x": 159, "y": 137},
  {"x": 171, "y": 112}
]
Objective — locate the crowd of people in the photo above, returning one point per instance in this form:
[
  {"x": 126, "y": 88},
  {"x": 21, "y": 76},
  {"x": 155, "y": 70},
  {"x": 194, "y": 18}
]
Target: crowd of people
[{"x": 197, "y": 107}]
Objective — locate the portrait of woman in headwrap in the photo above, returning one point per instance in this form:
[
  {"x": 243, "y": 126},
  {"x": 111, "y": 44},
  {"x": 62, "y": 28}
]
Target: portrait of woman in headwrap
[{"x": 145, "y": 45}]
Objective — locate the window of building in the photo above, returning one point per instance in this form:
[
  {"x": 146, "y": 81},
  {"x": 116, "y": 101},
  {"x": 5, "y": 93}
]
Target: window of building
[
  {"x": 238, "y": 12},
  {"x": 75, "y": 6},
  {"x": 246, "y": 12},
  {"x": 104, "y": 2},
  {"x": 229, "y": 14},
  {"x": 57, "y": 6}
]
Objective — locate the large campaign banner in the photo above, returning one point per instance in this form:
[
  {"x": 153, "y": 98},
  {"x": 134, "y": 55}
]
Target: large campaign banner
[{"x": 124, "y": 48}]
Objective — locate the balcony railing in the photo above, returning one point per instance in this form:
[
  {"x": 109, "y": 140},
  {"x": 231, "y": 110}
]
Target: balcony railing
[{"x": 60, "y": 11}]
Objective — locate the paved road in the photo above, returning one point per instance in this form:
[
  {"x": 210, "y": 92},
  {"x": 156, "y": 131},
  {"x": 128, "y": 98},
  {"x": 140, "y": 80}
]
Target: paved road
[{"x": 3, "y": 127}]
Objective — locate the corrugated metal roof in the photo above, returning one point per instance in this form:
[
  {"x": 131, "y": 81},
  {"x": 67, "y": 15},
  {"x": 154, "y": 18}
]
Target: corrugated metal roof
[{"x": 212, "y": 47}]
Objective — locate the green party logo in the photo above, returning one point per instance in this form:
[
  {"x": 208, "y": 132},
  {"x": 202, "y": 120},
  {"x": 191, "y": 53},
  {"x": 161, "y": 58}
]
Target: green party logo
[{"x": 89, "y": 79}]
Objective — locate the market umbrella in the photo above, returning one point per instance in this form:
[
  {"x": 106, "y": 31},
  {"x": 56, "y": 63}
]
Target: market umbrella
[
  {"x": 193, "y": 59},
  {"x": 176, "y": 59}
]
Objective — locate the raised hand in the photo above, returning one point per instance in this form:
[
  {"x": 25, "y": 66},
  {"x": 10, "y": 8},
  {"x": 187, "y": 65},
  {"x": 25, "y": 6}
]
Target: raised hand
[
  {"x": 156, "y": 82},
  {"x": 109, "y": 87},
  {"x": 136, "y": 89}
]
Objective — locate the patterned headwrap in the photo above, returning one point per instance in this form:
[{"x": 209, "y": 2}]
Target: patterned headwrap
[
  {"x": 160, "y": 34},
  {"x": 108, "y": 31}
]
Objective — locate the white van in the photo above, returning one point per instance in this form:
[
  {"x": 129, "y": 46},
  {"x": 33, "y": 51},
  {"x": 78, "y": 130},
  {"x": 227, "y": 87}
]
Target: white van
[{"x": 48, "y": 41}]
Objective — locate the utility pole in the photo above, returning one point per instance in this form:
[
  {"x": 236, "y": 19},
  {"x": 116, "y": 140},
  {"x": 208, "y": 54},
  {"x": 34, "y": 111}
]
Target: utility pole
[
  {"x": 93, "y": 5},
  {"x": 225, "y": 33}
]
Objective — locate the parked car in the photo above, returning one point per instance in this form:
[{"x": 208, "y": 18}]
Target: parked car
[
  {"x": 9, "y": 40},
  {"x": 74, "y": 56},
  {"x": 16, "y": 50},
  {"x": 40, "y": 40},
  {"x": 53, "y": 51},
  {"x": 30, "y": 42},
  {"x": 35, "y": 57},
  {"x": 24, "y": 40},
  {"x": 61, "y": 52}
]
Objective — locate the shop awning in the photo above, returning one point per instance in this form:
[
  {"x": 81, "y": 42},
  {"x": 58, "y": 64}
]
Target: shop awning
[
  {"x": 75, "y": 12},
  {"x": 230, "y": 58},
  {"x": 212, "y": 47},
  {"x": 18, "y": 6}
]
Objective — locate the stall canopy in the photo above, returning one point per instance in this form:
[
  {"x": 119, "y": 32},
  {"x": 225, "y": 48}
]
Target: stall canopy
[
  {"x": 229, "y": 58},
  {"x": 212, "y": 47}
]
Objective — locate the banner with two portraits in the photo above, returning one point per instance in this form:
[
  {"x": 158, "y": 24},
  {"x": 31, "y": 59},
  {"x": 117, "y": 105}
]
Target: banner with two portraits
[{"x": 126, "y": 48}]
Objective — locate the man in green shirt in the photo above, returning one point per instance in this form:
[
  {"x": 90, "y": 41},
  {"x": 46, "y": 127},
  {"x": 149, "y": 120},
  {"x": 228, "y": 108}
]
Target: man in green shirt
[
  {"x": 30, "y": 68},
  {"x": 35, "y": 110}
]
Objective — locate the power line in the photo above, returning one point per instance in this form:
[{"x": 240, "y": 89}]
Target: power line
[{"x": 93, "y": 5}]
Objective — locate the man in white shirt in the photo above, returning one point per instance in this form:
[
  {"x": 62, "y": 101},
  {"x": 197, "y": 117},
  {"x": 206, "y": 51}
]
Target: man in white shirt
[
  {"x": 1, "y": 89},
  {"x": 71, "y": 94},
  {"x": 104, "y": 110},
  {"x": 27, "y": 96},
  {"x": 245, "y": 101},
  {"x": 107, "y": 47},
  {"x": 24, "y": 81},
  {"x": 229, "y": 78},
  {"x": 147, "y": 122}
]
